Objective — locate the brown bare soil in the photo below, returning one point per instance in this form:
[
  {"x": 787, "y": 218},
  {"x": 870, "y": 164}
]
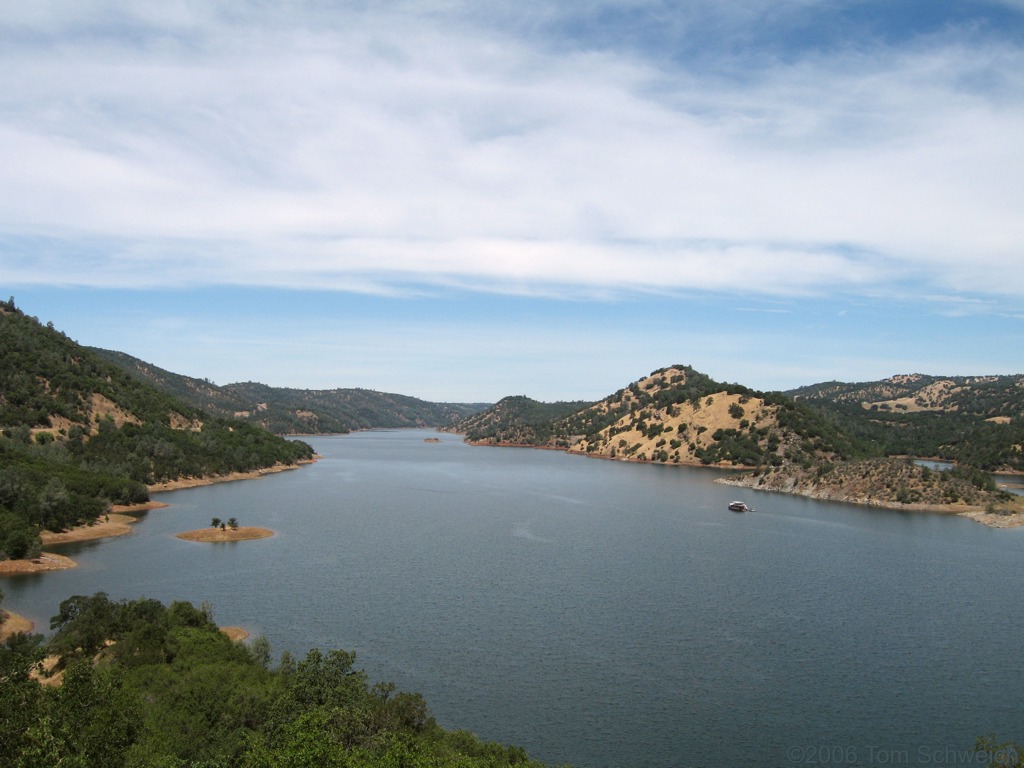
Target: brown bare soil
[
  {"x": 47, "y": 561},
  {"x": 228, "y": 534},
  {"x": 235, "y": 633},
  {"x": 13, "y": 624},
  {"x": 195, "y": 482},
  {"x": 104, "y": 526}
]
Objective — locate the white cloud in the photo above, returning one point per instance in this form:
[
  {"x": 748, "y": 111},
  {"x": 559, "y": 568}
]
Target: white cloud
[{"x": 369, "y": 150}]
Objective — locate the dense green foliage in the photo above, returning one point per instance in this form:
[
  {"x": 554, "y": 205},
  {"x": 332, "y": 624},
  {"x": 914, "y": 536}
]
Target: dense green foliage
[
  {"x": 518, "y": 420},
  {"x": 297, "y": 411},
  {"x": 147, "y": 686},
  {"x": 77, "y": 434},
  {"x": 977, "y": 421}
]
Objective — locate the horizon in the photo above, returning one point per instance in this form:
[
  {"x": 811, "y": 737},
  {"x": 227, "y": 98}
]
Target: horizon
[
  {"x": 458, "y": 202},
  {"x": 637, "y": 378}
]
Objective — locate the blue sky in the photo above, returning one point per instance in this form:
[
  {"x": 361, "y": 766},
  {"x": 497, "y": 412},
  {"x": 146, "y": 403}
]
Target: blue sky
[{"x": 466, "y": 200}]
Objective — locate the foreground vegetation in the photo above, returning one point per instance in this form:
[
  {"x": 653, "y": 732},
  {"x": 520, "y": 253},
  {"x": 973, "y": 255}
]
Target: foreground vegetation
[
  {"x": 78, "y": 434},
  {"x": 148, "y": 686}
]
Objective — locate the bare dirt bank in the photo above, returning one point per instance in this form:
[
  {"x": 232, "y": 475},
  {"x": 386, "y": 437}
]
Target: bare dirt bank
[
  {"x": 107, "y": 525},
  {"x": 47, "y": 561},
  {"x": 195, "y": 482},
  {"x": 119, "y": 521},
  {"x": 12, "y": 624},
  {"x": 242, "y": 533},
  {"x": 235, "y": 633},
  {"x": 1010, "y": 513}
]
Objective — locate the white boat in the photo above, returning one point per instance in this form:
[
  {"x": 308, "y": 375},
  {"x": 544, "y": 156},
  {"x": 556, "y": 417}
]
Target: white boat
[{"x": 739, "y": 506}]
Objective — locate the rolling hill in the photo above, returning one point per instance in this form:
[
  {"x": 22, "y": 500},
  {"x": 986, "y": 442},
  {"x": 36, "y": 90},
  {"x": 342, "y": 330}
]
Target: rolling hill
[
  {"x": 288, "y": 411},
  {"x": 77, "y": 434},
  {"x": 832, "y": 441},
  {"x": 972, "y": 420},
  {"x": 675, "y": 415}
]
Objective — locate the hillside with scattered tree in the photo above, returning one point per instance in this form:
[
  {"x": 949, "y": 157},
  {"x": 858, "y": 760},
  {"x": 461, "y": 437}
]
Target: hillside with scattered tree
[
  {"x": 674, "y": 416},
  {"x": 78, "y": 434},
  {"x": 828, "y": 442},
  {"x": 972, "y": 420},
  {"x": 287, "y": 411}
]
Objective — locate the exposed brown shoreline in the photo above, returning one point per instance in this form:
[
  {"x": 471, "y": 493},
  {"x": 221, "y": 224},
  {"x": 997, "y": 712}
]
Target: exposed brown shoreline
[
  {"x": 976, "y": 513},
  {"x": 971, "y": 511},
  {"x": 195, "y": 482},
  {"x": 47, "y": 561},
  {"x": 13, "y": 624},
  {"x": 119, "y": 521},
  {"x": 242, "y": 533}
]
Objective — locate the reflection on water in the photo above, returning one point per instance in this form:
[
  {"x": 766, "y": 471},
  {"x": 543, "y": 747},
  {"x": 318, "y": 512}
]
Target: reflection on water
[{"x": 594, "y": 612}]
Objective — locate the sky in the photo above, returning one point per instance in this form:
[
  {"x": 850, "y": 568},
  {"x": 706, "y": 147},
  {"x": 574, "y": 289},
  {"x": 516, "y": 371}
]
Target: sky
[{"x": 461, "y": 200}]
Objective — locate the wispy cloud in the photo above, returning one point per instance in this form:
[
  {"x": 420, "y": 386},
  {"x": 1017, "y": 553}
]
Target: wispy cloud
[{"x": 506, "y": 148}]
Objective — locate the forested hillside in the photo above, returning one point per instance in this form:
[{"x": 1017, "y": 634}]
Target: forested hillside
[
  {"x": 287, "y": 411},
  {"x": 135, "y": 684},
  {"x": 972, "y": 420},
  {"x": 77, "y": 433},
  {"x": 517, "y": 420}
]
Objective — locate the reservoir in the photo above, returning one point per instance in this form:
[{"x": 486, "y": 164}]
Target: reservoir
[{"x": 603, "y": 614}]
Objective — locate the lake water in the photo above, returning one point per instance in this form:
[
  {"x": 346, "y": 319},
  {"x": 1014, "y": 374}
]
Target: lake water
[{"x": 600, "y": 613}]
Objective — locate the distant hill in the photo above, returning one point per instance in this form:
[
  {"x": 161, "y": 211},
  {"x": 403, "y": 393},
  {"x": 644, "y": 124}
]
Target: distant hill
[
  {"x": 77, "y": 433},
  {"x": 517, "y": 420},
  {"x": 674, "y": 416},
  {"x": 833, "y": 441},
  {"x": 994, "y": 398},
  {"x": 972, "y": 420},
  {"x": 298, "y": 411}
]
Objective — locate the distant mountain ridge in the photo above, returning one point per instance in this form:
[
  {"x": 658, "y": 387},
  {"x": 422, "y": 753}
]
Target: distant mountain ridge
[{"x": 289, "y": 411}]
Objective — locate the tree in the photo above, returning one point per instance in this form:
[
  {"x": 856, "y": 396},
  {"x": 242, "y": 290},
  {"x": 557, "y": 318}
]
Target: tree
[
  {"x": 215, "y": 523},
  {"x": 232, "y": 523}
]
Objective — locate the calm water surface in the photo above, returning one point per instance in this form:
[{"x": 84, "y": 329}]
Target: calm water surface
[{"x": 600, "y": 613}]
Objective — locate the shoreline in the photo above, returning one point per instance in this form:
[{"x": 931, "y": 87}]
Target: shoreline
[
  {"x": 971, "y": 512},
  {"x": 119, "y": 521},
  {"x": 13, "y": 624},
  {"x": 978, "y": 514},
  {"x": 196, "y": 482},
  {"x": 215, "y": 535},
  {"x": 47, "y": 561}
]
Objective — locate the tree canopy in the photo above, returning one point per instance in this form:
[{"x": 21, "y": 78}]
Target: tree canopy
[{"x": 149, "y": 686}]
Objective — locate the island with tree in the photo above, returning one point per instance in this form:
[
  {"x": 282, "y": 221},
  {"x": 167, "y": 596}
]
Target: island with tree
[{"x": 226, "y": 530}]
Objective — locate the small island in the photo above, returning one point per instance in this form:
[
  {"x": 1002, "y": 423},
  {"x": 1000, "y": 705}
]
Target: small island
[{"x": 242, "y": 533}]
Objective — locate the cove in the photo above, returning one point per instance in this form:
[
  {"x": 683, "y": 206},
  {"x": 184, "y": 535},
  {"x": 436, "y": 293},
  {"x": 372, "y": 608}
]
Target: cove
[{"x": 600, "y": 613}]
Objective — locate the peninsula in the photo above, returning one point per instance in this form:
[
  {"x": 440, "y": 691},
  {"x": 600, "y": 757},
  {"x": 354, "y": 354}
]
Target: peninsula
[{"x": 831, "y": 441}]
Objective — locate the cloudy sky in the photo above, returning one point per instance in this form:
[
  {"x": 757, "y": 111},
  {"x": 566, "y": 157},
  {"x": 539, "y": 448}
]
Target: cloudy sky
[{"x": 466, "y": 199}]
